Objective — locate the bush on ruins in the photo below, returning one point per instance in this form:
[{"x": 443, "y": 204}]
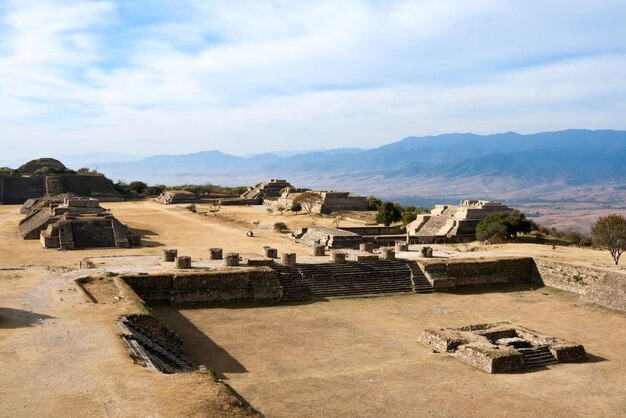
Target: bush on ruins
[
  {"x": 502, "y": 226},
  {"x": 388, "y": 213},
  {"x": 373, "y": 203}
]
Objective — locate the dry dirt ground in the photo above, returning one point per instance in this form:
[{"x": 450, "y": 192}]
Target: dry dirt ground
[{"x": 61, "y": 355}]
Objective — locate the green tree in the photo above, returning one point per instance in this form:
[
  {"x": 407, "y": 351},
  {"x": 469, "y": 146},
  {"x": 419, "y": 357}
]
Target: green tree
[
  {"x": 408, "y": 217},
  {"x": 609, "y": 233},
  {"x": 514, "y": 222},
  {"x": 308, "y": 200},
  {"x": 137, "y": 187},
  {"x": 7, "y": 171},
  {"x": 388, "y": 213},
  {"x": 296, "y": 207},
  {"x": 374, "y": 203}
]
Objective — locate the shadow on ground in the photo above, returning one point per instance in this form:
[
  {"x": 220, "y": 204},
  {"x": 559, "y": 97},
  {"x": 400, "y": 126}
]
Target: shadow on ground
[
  {"x": 145, "y": 234},
  {"x": 199, "y": 346},
  {"x": 17, "y": 318}
]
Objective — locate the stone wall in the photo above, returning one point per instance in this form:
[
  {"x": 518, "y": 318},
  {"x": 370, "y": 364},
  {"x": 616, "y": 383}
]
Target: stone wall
[
  {"x": 376, "y": 230},
  {"x": 602, "y": 287},
  {"x": 15, "y": 190},
  {"x": 449, "y": 274},
  {"x": 206, "y": 287}
]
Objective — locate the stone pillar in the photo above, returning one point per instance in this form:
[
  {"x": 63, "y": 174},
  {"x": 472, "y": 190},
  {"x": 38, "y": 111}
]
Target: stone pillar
[
  {"x": 170, "y": 255},
  {"x": 231, "y": 259},
  {"x": 338, "y": 257},
  {"x": 215, "y": 253},
  {"x": 270, "y": 252},
  {"x": 183, "y": 262},
  {"x": 319, "y": 250},
  {"x": 427, "y": 252},
  {"x": 401, "y": 246},
  {"x": 388, "y": 254},
  {"x": 368, "y": 247},
  {"x": 289, "y": 259}
]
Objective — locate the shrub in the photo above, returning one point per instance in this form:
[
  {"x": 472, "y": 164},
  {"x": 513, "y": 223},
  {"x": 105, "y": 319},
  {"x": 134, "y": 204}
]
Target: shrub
[
  {"x": 296, "y": 207},
  {"x": 408, "y": 217},
  {"x": 387, "y": 214},
  {"x": 281, "y": 227},
  {"x": 373, "y": 203}
]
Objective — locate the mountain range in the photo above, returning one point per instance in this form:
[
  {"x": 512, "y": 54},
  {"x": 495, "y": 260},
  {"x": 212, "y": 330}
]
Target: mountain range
[{"x": 570, "y": 165}]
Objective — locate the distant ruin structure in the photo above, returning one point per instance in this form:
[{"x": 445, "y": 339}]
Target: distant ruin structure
[
  {"x": 502, "y": 347},
  {"x": 330, "y": 201},
  {"x": 173, "y": 197},
  {"x": 74, "y": 224},
  {"x": 452, "y": 223},
  {"x": 47, "y": 177},
  {"x": 266, "y": 190}
]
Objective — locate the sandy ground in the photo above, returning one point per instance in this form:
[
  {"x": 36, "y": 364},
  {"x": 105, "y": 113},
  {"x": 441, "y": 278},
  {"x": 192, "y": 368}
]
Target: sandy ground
[
  {"x": 360, "y": 357},
  {"x": 61, "y": 355}
]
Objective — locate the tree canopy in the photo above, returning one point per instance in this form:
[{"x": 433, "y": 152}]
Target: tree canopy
[
  {"x": 388, "y": 213},
  {"x": 307, "y": 200},
  {"x": 501, "y": 226},
  {"x": 609, "y": 233}
]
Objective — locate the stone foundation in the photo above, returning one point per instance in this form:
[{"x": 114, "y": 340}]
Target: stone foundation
[
  {"x": 338, "y": 257},
  {"x": 289, "y": 259},
  {"x": 450, "y": 274},
  {"x": 388, "y": 254},
  {"x": 170, "y": 255},
  {"x": 270, "y": 252},
  {"x": 215, "y": 253},
  {"x": 401, "y": 246},
  {"x": 318, "y": 251},
  {"x": 502, "y": 347},
  {"x": 183, "y": 262},
  {"x": 231, "y": 259}
]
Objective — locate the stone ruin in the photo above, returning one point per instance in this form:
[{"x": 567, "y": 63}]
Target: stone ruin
[
  {"x": 452, "y": 223},
  {"x": 266, "y": 190},
  {"x": 46, "y": 177},
  {"x": 75, "y": 223},
  {"x": 502, "y": 347},
  {"x": 173, "y": 197},
  {"x": 330, "y": 201}
]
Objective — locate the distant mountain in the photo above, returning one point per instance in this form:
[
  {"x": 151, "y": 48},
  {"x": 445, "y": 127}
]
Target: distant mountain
[{"x": 450, "y": 165}]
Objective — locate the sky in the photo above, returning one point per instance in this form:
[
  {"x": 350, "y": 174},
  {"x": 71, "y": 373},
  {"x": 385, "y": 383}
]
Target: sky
[{"x": 181, "y": 76}]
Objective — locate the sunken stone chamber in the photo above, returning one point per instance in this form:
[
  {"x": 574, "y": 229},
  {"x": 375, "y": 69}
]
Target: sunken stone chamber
[{"x": 502, "y": 347}]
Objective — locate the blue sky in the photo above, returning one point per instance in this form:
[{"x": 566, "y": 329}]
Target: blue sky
[{"x": 178, "y": 76}]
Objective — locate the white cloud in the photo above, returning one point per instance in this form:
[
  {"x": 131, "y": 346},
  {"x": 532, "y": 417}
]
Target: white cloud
[{"x": 244, "y": 76}]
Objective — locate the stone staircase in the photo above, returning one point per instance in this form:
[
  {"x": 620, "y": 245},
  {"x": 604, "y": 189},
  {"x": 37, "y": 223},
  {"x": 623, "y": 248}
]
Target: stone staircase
[
  {"x": 418, "y": 278},
  {"x": 537, "y": 357},
  {"x": 291, "y": 281},
  {"x": 353, "y": 279},
  {"x": 154, "y": 353}
]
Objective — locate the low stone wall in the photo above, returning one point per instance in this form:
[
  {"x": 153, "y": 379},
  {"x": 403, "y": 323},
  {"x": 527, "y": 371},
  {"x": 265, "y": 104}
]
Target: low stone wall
[
  {"x": 597, "y": 286},
  {"x": 493, "y": 361},
  {"x": 450, "y": 274},
  {"x": 259, "y": 285}
]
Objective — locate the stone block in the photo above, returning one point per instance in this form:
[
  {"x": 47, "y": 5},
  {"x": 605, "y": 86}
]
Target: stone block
[
  {"x": 388, "y": 254},
  {"x": 401, "y": 246},
  {"x": 215, "y": 253},
  {"x": 368, "y": 247},
  {"x": 170, "y": 255},
  {"x": 318, "y": 251},
  {"x": 270, "y": 252},
  {"x": 338, "y": 257},
  {"x": 289, "y": 259},
  {"x": 183, "y": 262},
  {"x": 231, "y": 259}
]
